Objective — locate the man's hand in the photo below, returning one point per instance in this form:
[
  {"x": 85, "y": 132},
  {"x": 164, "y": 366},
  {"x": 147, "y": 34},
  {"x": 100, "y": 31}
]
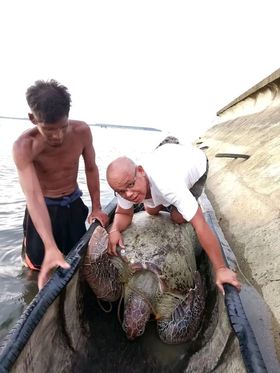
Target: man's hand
[
  {"x": 100, "y": 215},
  {"x": 53, "y": 258},
  {"x": 225, "y": 275},
  {"x": 115, "y": 239}
]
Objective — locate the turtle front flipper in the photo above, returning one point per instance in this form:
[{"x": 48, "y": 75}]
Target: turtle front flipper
[
  {"x": 100, "y": 273},
  {"x": 139, "y": 302},
  {"x": 136, "y": 315},
  {"x": 185, "y": 320}
]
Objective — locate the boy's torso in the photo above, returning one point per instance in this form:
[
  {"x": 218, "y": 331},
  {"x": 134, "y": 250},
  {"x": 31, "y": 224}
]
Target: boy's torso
[{"x": 57, "y": 166}]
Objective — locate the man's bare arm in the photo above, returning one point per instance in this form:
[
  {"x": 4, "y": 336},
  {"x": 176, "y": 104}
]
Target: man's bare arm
[
  {"x": 37, "y": 208},
  {"x": 210, "y": 244},
  {"x": 93, "y": 182}
]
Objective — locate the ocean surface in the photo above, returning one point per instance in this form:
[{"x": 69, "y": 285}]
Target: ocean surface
[{"x": 18, "y": 284}]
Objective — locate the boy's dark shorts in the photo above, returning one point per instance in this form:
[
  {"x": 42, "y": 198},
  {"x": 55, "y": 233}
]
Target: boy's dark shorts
[{"x": 68, "y": 225}]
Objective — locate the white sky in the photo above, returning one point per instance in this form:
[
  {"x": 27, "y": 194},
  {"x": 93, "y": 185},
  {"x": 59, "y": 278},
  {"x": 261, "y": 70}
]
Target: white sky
[{"x": 166, "y": 64}]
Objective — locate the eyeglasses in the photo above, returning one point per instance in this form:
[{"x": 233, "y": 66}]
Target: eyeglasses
[{"x": 129, "y": 186}]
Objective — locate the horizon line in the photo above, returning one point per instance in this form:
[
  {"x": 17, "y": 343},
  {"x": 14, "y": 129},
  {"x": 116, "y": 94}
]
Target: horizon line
[{"x": 104, "y": 125}]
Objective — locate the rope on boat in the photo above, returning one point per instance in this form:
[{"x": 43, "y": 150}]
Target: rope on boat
[
  {"x": 103, "y": 308},
  {"x": 119, "y": 306},
  {"x": 141, "y": 294}
]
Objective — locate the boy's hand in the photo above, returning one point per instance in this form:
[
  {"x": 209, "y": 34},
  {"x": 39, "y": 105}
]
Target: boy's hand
[{"x": 53, "y": 258}]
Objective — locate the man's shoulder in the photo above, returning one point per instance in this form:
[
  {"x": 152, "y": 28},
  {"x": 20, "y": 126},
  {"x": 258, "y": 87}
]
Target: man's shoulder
[
  {"x": 25, "y": 146},
  {"x": 80, "y": 131},
  {"x": 26, "y": 139},
  {"x": 78, "y": 124}
]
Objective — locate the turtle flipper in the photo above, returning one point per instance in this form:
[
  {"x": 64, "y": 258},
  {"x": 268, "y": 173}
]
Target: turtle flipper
[
  {"x": 186, "y": 317},
  {"x": 136, "y": 315},
  {"x": 140, "y": 293},
  {"x": 100, "y": 273}
]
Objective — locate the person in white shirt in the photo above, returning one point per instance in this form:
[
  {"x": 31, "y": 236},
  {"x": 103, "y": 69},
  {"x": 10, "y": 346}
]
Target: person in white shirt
[{"x": 171, "y": 178}]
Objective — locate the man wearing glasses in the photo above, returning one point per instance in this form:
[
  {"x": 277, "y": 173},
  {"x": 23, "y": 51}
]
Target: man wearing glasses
[{"x": 172, "y": 178}]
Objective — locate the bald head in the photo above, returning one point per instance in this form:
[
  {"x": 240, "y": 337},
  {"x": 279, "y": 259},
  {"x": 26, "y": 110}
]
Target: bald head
[{"x": 120, "y": 170}]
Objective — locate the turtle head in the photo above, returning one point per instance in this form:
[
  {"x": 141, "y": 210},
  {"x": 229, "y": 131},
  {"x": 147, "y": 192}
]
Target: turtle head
[{"x": 140, "y": 295}]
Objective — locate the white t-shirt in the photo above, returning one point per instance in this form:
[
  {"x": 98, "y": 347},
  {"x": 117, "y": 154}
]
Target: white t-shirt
[{"x": 172, "y": 169}]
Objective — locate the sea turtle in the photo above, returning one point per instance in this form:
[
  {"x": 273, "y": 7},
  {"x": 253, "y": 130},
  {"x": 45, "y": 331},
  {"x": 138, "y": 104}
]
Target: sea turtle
[{"x": 156, "y": 273}]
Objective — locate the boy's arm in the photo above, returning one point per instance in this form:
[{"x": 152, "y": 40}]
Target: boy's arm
[
  {"x": 92, "y": 176},
  {"x": 37, "y": 209}
]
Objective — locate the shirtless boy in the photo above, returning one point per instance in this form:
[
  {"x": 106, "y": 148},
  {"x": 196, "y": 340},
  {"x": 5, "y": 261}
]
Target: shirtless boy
[{"x": 47, "y": 161}]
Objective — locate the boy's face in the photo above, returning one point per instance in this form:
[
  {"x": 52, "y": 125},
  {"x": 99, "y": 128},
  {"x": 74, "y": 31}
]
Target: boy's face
[{"x": 53, "y": 133}]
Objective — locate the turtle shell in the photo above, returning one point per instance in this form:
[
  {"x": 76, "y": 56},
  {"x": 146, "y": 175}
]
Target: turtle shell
[{"x": 156, "y": 243}]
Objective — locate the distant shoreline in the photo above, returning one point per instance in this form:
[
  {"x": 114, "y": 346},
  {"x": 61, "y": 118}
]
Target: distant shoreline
[
  {"x": 125, "y": 127},
  {"x": 17, "y": 118},
  {"x": 103, "y": 125}
]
